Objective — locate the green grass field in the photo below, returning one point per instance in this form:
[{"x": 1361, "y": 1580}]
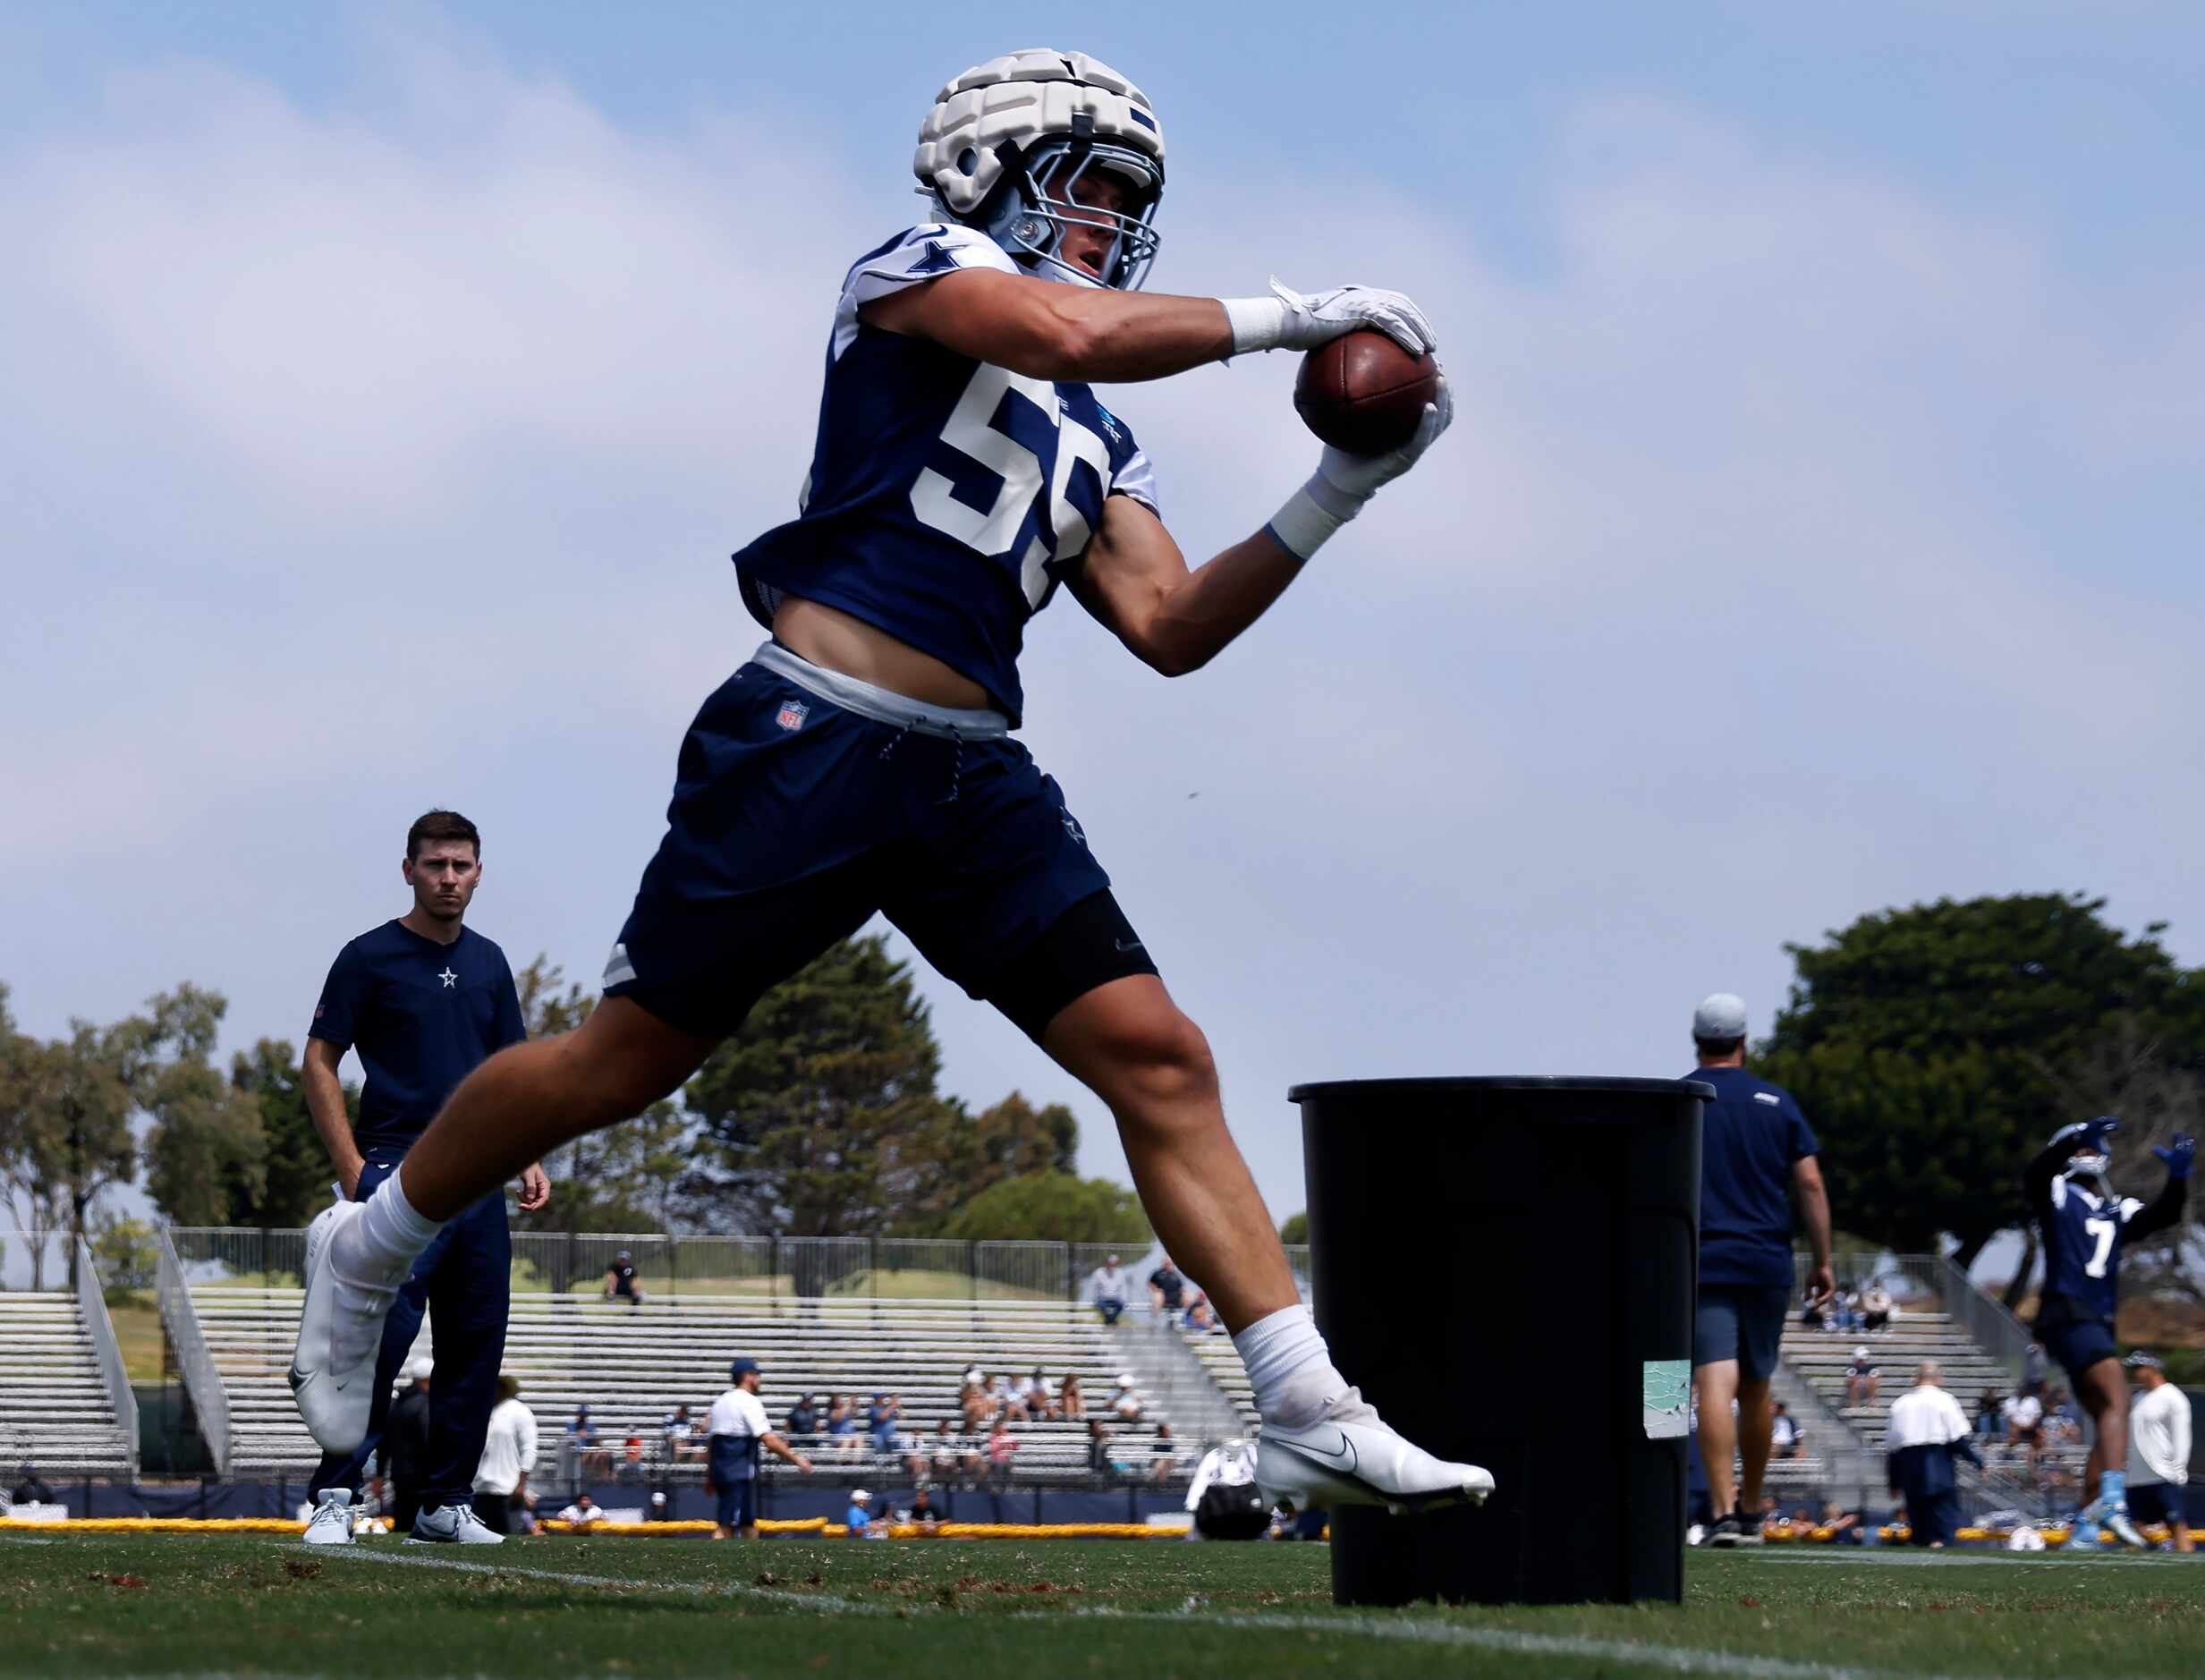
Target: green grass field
[{"x": 240, "y": 1604}]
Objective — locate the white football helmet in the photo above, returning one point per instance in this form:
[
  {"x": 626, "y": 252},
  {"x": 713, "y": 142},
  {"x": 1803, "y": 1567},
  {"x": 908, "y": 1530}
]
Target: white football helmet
[{"x": 1005, "y": 141}]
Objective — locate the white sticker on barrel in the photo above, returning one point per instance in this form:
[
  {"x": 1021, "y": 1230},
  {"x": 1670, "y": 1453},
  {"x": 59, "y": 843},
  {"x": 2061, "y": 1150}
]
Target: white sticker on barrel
[{"x": 1667, "y": 1398}]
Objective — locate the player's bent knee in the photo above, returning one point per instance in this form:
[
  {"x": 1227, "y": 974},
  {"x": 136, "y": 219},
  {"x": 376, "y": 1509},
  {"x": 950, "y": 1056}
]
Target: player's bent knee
[{"x": 1164, "y": 1062}]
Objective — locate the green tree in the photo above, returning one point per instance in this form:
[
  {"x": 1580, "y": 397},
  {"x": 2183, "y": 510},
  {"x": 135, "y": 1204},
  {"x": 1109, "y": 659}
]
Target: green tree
[
  {"x": 1296, "y": 1229},
  {"x": 819, "y": 1116},
  {"x": 128, "y": 1256},
  {"x": 206, "y": 1154},
  {"x": 950, "y": 1164},
  {"x": 1928, "y": 1045},
  {"x": 296, "y": 1170},
  {"x": 1052, "y": 1207}
]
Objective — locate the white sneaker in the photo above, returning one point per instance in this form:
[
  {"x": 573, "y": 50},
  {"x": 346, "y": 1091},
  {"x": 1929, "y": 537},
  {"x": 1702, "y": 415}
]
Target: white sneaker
[
  {"x": 1349, "y": 1457},
  {"x": 332, "y": 1522},
  {"x": 453, "y": 1525},
  {"x": 340, "y": 1332},
  {"x": 2116, "y": 1519}
]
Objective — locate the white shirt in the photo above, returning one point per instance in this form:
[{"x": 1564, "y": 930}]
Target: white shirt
[
  {"x": 2024, "y": 1410},
  {"x": 1925, "y": 1416},
  {"x": 575, "y": 1514},
  {"x": 1232, "y": 1465},
  {"x": 739, "y": 1411},
  {"x": 508, "y": 1450},
  {"x": 2158, "y": 1436},
  {"x": 1106, "y": 1283}
]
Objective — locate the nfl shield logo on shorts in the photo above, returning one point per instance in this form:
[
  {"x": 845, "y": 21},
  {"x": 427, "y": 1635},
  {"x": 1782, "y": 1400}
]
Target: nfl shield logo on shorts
[{"x": 792, "y": 714}]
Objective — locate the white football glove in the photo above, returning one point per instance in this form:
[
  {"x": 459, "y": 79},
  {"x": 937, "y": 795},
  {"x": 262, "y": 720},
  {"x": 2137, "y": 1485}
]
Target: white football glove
[
  {"x": 1337, "y": 491},
  {"x": 1287, "y": 321}
]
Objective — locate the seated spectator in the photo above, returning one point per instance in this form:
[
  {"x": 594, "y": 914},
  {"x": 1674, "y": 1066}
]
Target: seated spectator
[
  {"x": 924, "y": 1511},
  {"x": 32, "y": 1488},
  {"x": 1164, "y": 1454},
  {"x": 860, "y": 1519},
  {"x": 1126, "y": 1402},
  {"x": 1101, "y": 1457},
  {"x": 1035, "y": 1395},
  {"x": 1875, "y": 1309},
  {"x": 880, "y": 1421},
  {"x": 1071, "y": 1403},
  {"x": 1990, "y": 1414},
  {"x": 842, "y": 1433},
  {"x": 681, "y": 1440},
  {"x": 661, "y": 1508},
  {"x": 1168, "y": 1287},
  {"x": 1001, "y": 1447},
  {"x": 1199, "y": 1318},
  {"x": 1843, "y": 1526},
  {"x": 590, "y": 1452},
  {"x": 1862, "y": 1382},
  {"x": 583, "y": 1512},
  {"x": 632, "y": 1459},
  {"x": 1105, "y": 1287},
  {"x": 2062, "y": 1421},
  {"x": 803, "y": 1418},
  {"x": 1785, "y": 1439},
  {"x": 620, "y": 1284},
  {"x": 1845, "y": 1310},
  {"x": 972, "y": 1401},
  {"x": 1003, "y": 1397},
  {"x": 954, "y": 1457},
  {"x": 2024, "y": 1424}
]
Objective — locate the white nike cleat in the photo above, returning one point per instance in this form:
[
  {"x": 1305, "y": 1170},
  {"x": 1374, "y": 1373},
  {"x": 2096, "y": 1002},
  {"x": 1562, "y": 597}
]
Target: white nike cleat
[
  {"x": 1351, "y": 1456},
  {"x": 2116, "y": 1519},
  {"x": 451, "y": 1525},
  {"x": 340, "y": 1332},
  {"x": 332, "y": 1523}
]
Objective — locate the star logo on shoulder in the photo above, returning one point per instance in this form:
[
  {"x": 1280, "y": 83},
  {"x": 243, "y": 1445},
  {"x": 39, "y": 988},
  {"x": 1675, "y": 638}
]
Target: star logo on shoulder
[
  {"x": 936, "y": 258},
  {"x": 449, "y": 979}
]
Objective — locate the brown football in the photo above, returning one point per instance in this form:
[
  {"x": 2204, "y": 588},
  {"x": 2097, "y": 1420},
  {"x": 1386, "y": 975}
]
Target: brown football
[{"x": 1363, "y": 393}]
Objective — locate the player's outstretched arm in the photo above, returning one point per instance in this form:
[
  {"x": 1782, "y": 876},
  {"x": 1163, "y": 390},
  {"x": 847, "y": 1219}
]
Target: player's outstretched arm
[
  {"x": 1135, "y": 580},
  {"x": 1049, "y": 331}
]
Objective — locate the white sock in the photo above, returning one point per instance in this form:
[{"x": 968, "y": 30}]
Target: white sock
[
  {"x": 387, "y": 1238},
  {"x": 1290, "y": 1367}
]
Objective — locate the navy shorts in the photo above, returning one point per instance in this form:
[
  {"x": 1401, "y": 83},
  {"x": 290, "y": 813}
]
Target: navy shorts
[
  {"x": 801, "y": 806},
  {"x": 738, "y": 1503},
  {"x": 2079, "y": 1344},
  {"x": 2158, "y": 1502},
  {"x": 1740, "y": 1321}
]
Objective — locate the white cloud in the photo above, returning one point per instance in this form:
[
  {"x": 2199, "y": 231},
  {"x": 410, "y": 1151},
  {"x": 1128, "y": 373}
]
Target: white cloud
[{"x": 369, "y": 462}]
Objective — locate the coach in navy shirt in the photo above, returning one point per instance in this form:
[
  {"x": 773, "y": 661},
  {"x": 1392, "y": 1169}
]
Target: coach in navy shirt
[
  {"x": 424, "y": 1000},
  {"x": 1754, "y": 1147}
]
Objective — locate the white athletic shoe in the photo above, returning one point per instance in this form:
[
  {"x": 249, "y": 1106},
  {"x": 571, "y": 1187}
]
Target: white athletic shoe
[
  {"x": 2116, "y": 1519},
  {"x": 332, "y": 1522},
  {"x": 340, "y": 1332},
  {"x": 1349, "y": 1457},
  {"x": 451, "y": 1525}
]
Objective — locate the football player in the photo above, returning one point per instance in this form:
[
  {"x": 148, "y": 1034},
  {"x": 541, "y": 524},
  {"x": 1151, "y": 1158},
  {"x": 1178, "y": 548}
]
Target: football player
[
  {"x": 862, "y": 760},
  {"x": 2085, "y": 1226}
]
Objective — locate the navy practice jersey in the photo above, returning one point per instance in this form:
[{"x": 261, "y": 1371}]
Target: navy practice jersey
[
  {"x": 948, "y": 498},
  {"x": 422, "y": 1015},
  {"x": 1751, "y": 1134},
  {"x": 2084, "y": 1236}
]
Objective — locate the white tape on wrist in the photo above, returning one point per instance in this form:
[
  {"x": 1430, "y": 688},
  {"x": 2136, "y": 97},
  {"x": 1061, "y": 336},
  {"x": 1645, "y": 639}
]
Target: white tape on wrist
[
  {"x": 1256, "y": 322},
  {"x": 1303, "y": 523}
]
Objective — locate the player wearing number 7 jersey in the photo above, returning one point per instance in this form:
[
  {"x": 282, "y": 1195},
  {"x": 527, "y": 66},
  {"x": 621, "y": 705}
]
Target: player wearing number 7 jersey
[
  {"x": 862, "y": 761},
  {"x": 2085, "y": 1226}
]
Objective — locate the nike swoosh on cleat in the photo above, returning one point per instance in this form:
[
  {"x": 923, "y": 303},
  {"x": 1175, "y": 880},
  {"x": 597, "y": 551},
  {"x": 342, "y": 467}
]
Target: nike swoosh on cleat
[
  {"x": 296, "y": 1378},
  {"x": 1346, "y": 1459}
]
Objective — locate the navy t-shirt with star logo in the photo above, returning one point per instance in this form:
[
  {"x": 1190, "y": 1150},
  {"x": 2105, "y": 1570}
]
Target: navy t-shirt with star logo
[{"x": 422, "y": 1015}]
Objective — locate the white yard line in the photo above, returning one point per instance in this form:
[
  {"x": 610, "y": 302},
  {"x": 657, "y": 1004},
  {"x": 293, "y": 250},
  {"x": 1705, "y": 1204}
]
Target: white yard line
[
  {"x": 1907, "y": 1558},
  {"x": 1668, "y": 1658}
]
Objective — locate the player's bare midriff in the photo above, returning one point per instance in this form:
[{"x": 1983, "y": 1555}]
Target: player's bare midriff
[{"x": 855, "y": 648}]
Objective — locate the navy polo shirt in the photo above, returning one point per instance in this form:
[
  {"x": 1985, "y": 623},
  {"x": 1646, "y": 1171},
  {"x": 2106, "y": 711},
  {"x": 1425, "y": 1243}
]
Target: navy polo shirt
[
  {"x": 1750, "y": 1136},
  {"x": 422, "y": 1016}
]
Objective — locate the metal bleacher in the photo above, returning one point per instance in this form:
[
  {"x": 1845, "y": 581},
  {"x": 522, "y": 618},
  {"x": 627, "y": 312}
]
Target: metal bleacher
[
  {"x": 64, "y": 1405},
  {"x": 633, "y": 1364}
]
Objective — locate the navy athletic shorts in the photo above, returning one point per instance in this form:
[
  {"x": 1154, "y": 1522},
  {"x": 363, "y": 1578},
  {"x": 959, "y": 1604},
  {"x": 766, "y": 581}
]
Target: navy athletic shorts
[
  {"x": 806, "y": 801},
  {"x": 738, "y": 1503},
  {"x": 2079, "y": 1344},
  {"x": 1740, "y": 1321},
  {"x": 2158, "y": 1502}
]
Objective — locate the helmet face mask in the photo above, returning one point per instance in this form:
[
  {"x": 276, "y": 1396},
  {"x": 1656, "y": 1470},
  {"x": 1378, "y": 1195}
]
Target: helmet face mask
[
  {"x": 2089, "y": 1164},
  {"x": 1031, "y": 220}
]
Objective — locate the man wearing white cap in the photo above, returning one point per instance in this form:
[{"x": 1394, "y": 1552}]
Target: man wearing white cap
[
  {"x": 1754, "y": 1145},
  {"x": 2158, "y": 1450}
]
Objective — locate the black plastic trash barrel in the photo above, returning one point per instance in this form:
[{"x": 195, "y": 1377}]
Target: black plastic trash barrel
[{"x": 1505, "y": 1268}]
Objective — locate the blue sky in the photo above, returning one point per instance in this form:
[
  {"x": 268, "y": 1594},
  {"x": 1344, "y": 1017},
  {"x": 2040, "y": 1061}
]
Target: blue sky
[{"x": 1819, "y": 533}]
